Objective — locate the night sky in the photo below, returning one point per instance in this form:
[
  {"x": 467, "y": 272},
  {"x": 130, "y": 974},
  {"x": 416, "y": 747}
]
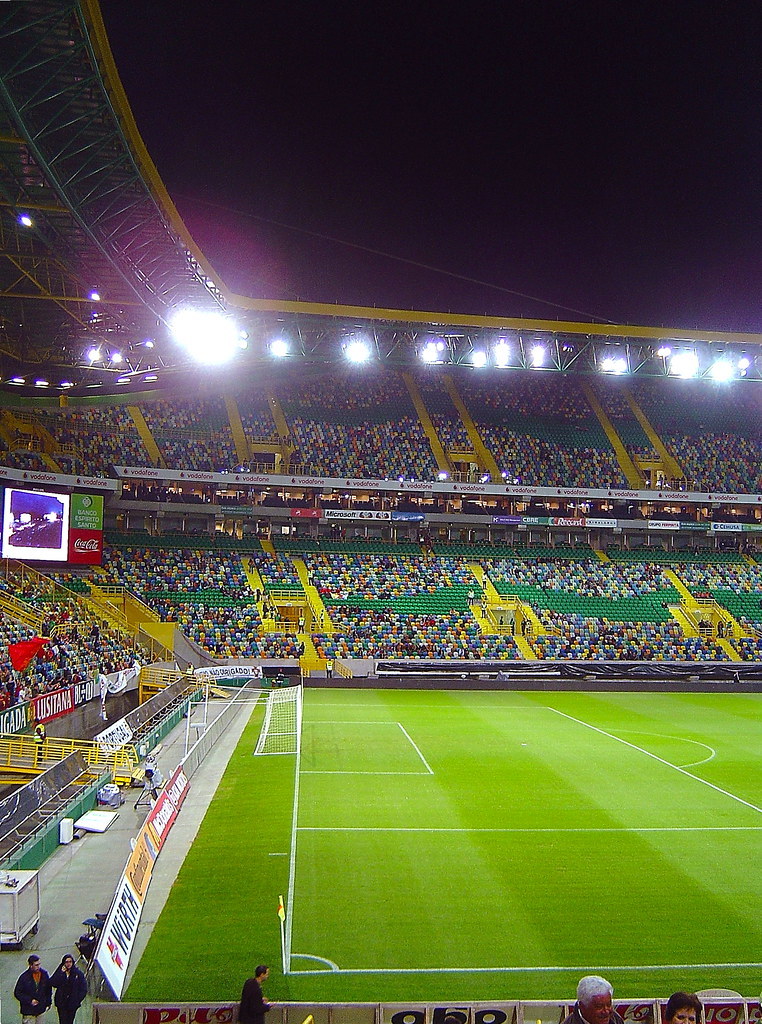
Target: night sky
[{"x": 603, "y": 157}]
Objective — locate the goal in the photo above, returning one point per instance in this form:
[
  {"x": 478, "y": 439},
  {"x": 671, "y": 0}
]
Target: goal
[{"x": 282, "y": 726}]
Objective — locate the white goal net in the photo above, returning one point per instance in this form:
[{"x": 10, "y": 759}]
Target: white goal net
[{"x": 282, "y": 726}]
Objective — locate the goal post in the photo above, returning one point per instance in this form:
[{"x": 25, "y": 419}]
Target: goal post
[{"x": 281, "y": 731}]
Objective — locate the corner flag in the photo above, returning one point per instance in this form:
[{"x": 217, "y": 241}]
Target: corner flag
[{"x": 281, "y": 910}]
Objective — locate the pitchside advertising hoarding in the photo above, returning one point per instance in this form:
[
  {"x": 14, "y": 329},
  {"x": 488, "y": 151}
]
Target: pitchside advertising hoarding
[{"x": 641, "y": 1011}]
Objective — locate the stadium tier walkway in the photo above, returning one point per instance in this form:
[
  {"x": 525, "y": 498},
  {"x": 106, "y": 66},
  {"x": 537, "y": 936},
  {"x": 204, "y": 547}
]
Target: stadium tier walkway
[{"x": 79, "y": 880}]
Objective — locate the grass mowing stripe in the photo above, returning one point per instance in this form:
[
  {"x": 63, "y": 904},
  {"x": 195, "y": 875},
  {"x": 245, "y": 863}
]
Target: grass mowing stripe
[
  {"x": 624, "y": 828},
  {"x": 661, "y": 760},
  {"x": 517, "y": 970}
]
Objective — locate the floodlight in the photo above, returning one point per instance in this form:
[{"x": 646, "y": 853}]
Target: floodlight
[
  {"x": 148, "y": 343},
  {"x": 208, "y": 337},
  {"x": 116, "y": 357},
  {"x": 479, "y": 358},
  {"x": 501, "y": 353},
  {"x": 357, "y": 351},
  {"x": 17, "y": 380},
  {"x": 684, "y": 364},
  {"x": 25, "y": 220},
  {"x": 279, "y": 348},
  {"x": 665, "y": 352},
  {"x": 614, "y": 364},
  {"x": 442, "y": 475},
  {"x": 744, "y": 363},
  {"x": 95, "y": 296},
  {"x": 150, "y": 376},
  {"x": 41, "y": 383},
  {"x": 537, "y": 355},
  {"x": 93, "y": 354},
  {"x": 66, "y": 384},
  {"x": 429, "y": 352},
  {"x": 722, "y": 370},
  {"x": 123, "y": 380}
]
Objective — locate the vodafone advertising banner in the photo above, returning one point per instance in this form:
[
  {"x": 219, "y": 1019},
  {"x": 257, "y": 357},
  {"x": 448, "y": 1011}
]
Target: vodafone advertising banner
[{"x": 86, "y": 529}]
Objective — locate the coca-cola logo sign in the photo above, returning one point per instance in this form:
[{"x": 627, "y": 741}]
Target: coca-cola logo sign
[{"x": 91, "y": 544}]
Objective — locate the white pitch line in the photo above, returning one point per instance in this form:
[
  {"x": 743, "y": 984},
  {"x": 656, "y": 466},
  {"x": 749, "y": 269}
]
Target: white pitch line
[
  {"x": 684, "y": 739},
  {"x": 416, "y": 748},
  {"x": 661, "y": 760},
  {"x": 524, "y": 970},
  {"x": 623, "y": 828},
  {"x": 292, "y": 863}
]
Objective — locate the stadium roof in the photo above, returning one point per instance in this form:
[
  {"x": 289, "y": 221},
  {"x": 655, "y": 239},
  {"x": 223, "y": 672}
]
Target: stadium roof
[{"x": 94, "y": 257}]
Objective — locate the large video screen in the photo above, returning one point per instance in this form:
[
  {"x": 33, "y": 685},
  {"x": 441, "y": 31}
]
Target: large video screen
[{"x": 35, "y": 525}]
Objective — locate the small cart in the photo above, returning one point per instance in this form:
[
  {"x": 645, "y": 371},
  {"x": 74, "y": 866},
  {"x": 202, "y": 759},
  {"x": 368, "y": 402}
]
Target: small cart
[{"x": 19, "y": 906}]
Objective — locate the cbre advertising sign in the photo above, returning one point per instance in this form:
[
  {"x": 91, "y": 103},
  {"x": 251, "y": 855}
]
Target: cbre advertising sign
[{"x": 86, "y": 529}]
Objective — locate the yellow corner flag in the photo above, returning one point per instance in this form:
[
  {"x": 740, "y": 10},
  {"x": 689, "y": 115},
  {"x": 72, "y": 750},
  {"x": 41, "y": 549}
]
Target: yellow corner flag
[{"x": 281, "y": 910}]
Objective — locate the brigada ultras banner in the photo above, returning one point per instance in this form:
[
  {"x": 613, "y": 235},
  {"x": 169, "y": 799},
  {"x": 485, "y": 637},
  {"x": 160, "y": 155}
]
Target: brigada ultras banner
[{"x": 86, "y": 529}]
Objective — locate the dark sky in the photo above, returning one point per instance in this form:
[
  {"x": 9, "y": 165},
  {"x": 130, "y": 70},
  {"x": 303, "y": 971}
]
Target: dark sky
[{"x": 605, "y": 157}]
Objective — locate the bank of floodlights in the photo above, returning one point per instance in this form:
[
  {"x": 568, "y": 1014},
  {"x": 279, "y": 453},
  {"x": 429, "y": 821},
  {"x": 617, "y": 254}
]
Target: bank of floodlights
[
  {"x": 501, "y": 353},
  {"x": 479, "y": 358},
  {"x": 208, "y": 337},
  {"x": 279, "y": 348},
  {"x": 684, "y": 364},
  {"x": 357, "y": 351},
  {"x": 614, "y": 364},
  {"x": 434, "y": 351}
]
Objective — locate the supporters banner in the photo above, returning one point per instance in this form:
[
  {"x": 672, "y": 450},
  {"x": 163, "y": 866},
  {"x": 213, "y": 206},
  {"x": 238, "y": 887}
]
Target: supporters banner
[
  {"x": 52, "y": 705},
  {"x": 408, "y": 517},
  {"x": 86, "y": 529},
  {"x": 234, "y": 673},
  {"x": 115, "y": 682},
  {"x": 16, "y": 718},
  {"x": 115, "y": 737},
  {"x": 305, "y": 513}
]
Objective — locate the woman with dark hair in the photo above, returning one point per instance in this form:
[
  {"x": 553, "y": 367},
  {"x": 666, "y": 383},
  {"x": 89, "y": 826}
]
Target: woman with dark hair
[
  {"x": 71, "y": 988},
  {"x": 683, "y": 1008}
]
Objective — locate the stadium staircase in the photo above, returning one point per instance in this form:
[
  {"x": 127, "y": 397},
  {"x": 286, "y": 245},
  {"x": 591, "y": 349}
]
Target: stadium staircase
[
  {"x": 484, "y": 457},
  {"x": 21, "y": 759},
  {"x": 488, "y": 622},
  {"x": 443, "y": 463},
  {"x": 318, "y": 610},
  {"x": 236, "y": 429},
  {"x": 279, "y": 417},
  {"x": 670, "y": 463},
  {"x": 601, "y": 555},
  {"x": 633, "y": 477},
  {"x": 21, "y": 430},
  {"x": 21, "y": 612},
  {"x": 157, "y": 459},
  {"x": 252, "y": 574},
  {"x": 268, "y": 547}
]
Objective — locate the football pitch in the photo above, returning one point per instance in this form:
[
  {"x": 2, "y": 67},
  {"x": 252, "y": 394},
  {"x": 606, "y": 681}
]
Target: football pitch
[{"x": 477, "y": 845}]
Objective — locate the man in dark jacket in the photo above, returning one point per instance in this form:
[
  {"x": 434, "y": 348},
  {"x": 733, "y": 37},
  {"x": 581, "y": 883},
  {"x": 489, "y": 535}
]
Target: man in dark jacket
[
  {"x": 254, "y": 1006},
  {"x": 33, "y": 991},
  {"x": 71, "y": 988}
]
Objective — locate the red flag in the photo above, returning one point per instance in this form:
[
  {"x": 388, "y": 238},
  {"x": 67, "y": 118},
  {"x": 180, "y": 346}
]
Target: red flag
[{"x": 23, "y": 653}]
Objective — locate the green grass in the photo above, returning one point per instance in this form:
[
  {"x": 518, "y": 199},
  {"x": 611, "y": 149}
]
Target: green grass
[{"x": 556, "y": 836}]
